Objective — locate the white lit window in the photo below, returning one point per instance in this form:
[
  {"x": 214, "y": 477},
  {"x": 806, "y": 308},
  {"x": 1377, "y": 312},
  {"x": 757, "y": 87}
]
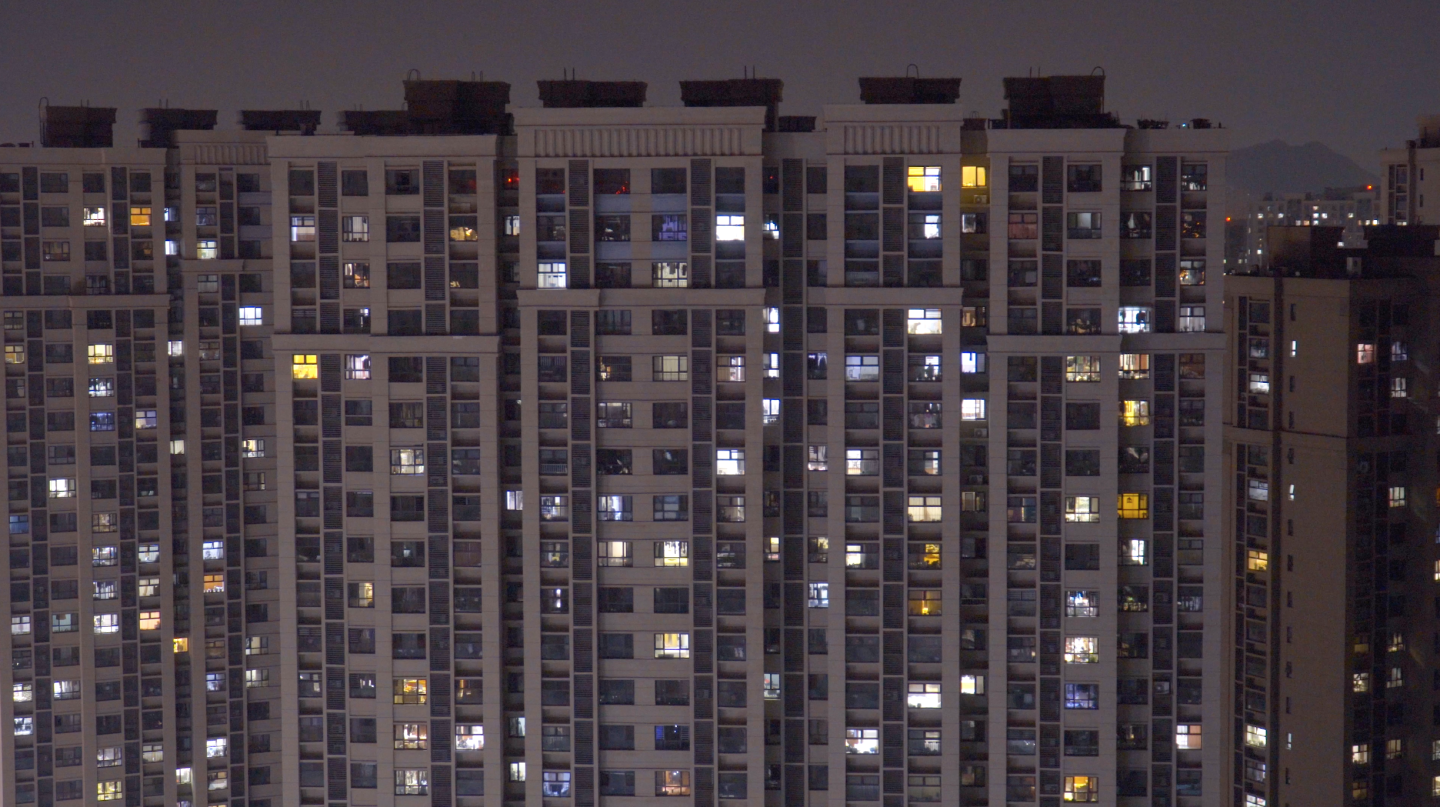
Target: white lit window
[
  {"x": 1082, "y": 508},
  {"x": 107, "y": 623},
  {"x": 149, "y": 553},
  {"x": 354, "y": 228},
  {"x": 1259, "y": 383},
  {"x": 862, "y": 741},
  {"x": 516, "y": 771},
  {"x": 407, "y": 461},
  {"x": 1256, "y": 736},
  {"x": 730, "y": 228},
  {"x": 152, "y": 752},
  {"x": 23, "y": 692},
  {"x": 1133, "y": 551},
  {"x": 1188, "y": 736},
  {"x": 972, "y": 362},
  {"x": 302, "y": 228},
  {"x": 771, "y": 365},
  {"x": 514, "y": 500},
  {"x": 1397, "y": 496},
  {"x": 552, "y": 276},
  {"x": 251, "y": 315},
  {"x": 216, "y": 747},
  {"x": 94, "y": 216},
  {"x": 729, "y": 368},
  {"x": 819, "y": 595},
  {"x": 1082, "y": 368},
  {"x": 672, "y": 553},
  {"x": 1136, "y": 319},
  {"x": 670, "y": 275},
  {"x": 469, "y": 737},
  {"x": 62, "y": 488},
  {"x": 175, "y": 348},
  {"x": 357, "y": 366},
  {"x": 770, "y": 410},
  {"x": 213, "y": 549},
  {"x": 251, "y": 448},
  {"x": 1399, "y": 387},
  {"x": 172, "y": 246},
  {"x": 972, "y": 409},
  {"x": 24, "y": 726},
  {"x": 104, "y": 555},
  {"x": 512, "y": 225},
  {"x": 729, "y": 462},
  {"x": 1192, "y": 319},
  {"x": 184, "y": 776},
  {"x": 146, "y": 419},
  {"x": 19, "y": 625},
  {"x": 923, "y": 696},
  {"x": 923, "y": 321},
  {"x": 772, "y": 320}
]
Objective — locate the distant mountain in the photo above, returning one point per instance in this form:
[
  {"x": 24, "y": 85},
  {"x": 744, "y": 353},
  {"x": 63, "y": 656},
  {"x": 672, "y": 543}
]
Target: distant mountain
[{"x": 1279, "y": 167}]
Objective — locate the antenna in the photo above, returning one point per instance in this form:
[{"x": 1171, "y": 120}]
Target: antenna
[
  {"x": 1099, "y": 69},
  {"x": 908, "y": 68},
  {"x": 414, "y": 71}
]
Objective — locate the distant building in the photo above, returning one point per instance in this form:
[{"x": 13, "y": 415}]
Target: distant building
[
  {"x": 1335, "y": 207},
  {"x": 1330, "y": 499},
  {"x": 1411, "y": 174}
]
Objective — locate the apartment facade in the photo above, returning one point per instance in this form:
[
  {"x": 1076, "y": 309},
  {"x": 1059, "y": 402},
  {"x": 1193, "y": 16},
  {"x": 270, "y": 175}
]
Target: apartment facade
[
  {"x": 523, "y": 477},
  {"x": 1331, "y": 517},
  {"x": 1403, "y": 176}
]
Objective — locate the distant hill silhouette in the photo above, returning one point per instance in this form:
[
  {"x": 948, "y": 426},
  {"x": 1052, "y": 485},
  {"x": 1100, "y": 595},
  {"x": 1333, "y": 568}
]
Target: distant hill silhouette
[{"x": 1279, "y": 167}]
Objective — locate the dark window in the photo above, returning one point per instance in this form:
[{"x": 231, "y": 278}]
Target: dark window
[
  {"x": 1082, "y": 462},
  {"x": 402, "y": 229},
  {"x": 672, "y": 692},
  {"x": 670, "y": 461},
  {"x": 669, "y": 322},
  {"x": 670, "y": 415},
  {"x": 1082, "y": 416}
]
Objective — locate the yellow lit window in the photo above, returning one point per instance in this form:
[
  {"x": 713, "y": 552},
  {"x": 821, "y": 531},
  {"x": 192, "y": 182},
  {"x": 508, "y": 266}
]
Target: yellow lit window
[
  {"x": 182, "y": 644},
  {"x": 924, "y": 602},
  {"x": 1134, "y": 505},
  {"x": 1082, "y": 650},
  {"x": 923, "y": 696},
  {"x": 410, "y": 690},
  {"x": 972, "y": 685},
  {"x": 1134, "y": 413},
  {"x": 923, "y": 178},
  {"x": 1256, "y": 736},
  {"x": 672, "y": 783},
  {"x": 974, "y": 176},
  {"x": 101, "y": 354},
  {"x": 1082, "y": 508},
  {"x": 112, "y": 790},
  {"x": 925, "y": 556},
  {"x": 1257, "y": 560},
  {"x": 215, "y": 583},
  {"x": 305, "y": 366},
  {"x": 1394, "y": 748},
  {"x": 15, "y": 354},
  {"x": 1134, "y": 365},
  {"x": 149, "y": 620},
  {"x": 1435, "y": 786},
  {"x": 1360, "y": 682},
  {"x": 1082, "y": 368},
  {"x": 1083, "y": 789},
  {"x": 924, "y": 509},
  {"x": 672, "y": 553},
  {"x": 1187, "y": 736},
  {"x": 672, "y": 645},
  {"x": 139, "y": 216}
]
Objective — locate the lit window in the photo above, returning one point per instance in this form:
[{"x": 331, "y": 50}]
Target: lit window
[
  {"x": 152, "y": 752},
  {"x": 1192, "y": 319},
  {"x": 257, "y": 678},
  {"x": 1256, "y": 736},
  {"x": 1365, "y": 353},
  {"x": 1134, "y": 413},
  {"x": 1360, "y": 683},
  {"x": 920, "y": 509},
  {"x": 412, "y": 736},
  {"x": 819, "y": 458},
  {"x": 251, "y": 315},
  {"x": 771, "y": 365},
  {"x": 410, "y": 690},
  {"x": 972, "y": 684},
  {"x": 184, "y": 776},
  {"x": 357, "y": 366},
  {"x": 729, "y": 368},
  {"x": 1397, "y": 496},
  {"x": 1082, "y": 508},
  {"x": 672, "y": 645},
  {"x": 216, "y": 747},
  {"x": 469, "y": 737},
  {"x": 23, "y": 692},
  {"x": 972, "y": 362},
  {"x": 554, "y": 508},
  {"x": 923, "y": 321},
  {"x": 215, "y": 583},
  {"x": 14, "y": 354},
  {"x": 172, "y": 247},
  {"x": 772, "y": 320},
  {"x": 251, "y": 448},
  {"x": 772, "y": 686},
  {"x": 672, "y": 783},
  {"x": 861, "y": 461},
  {"x": 730, "y": 228},
  {"x": 729, "y": 462},
  {"x": 107, "y": 623},
  {"x": 923, "y": 696},
  {"x": 207, "y": 250},
  {"x": 672, "y": 553},
  {"x": 862, "y": 741},
  {"x": 1082, "y": 650},
  {"x": 1136, "y": 319},
  {"x": 819, "y": 595},
  {"x": 146, "y": 419},
  {"x": 1188, "y": 736},
  {"x": 104, "y": 555},
  {"x": 94, "y": 217},
  {"x": 1399, "y": 351},
  {"x": 1081, "y": 789},
  {"x": 302, "y": 228},
  {"x": 1399, "y": 387},
  {"x": 24, "y": 726},
  {"x": 412, "y": 781},
  {"x": 19, "y": 625},
  {"x": 65, "y": 690},
  {"x": 974, "y": 176},
  {"x": 149, "y": 553},
  {"x": 1394, "y": 748},
  {"x": 1134, "y": 505},
  {"x": 614, "y": 553},
  {"x": 552, "y": 275},
  {"x": 101, "y": 354},
  {"x": 212, "y": 549},
  {"x": 516, "y": 771},
  {"x": 972, "y": 409},
  {"x": 1082, "y": 368},
  {"x": 407, "y": 461},
  {"x": 555, "y": 784},
  {"x": 770, "y": 411},
  {"x": 670, "y": 368},
  {"x": 305, "y": 366},
  {"x": 139, "y": 216},
  {"x": 670, "y": 275},
  {"x": 1133, "y": 551},
  {"x": 926, "y": 178},
  {"x": 1395, "y": 679},
  {"x": 921, "y": 601},
  {"x": 111, "y": 790},
  {"x": 62, "y": 488},
  {"x": 515, "y": 500},
  {"x": 1134, "y": 365},
  {"x": 149, "y": 620},
  {"x": 862, "y": 367}
]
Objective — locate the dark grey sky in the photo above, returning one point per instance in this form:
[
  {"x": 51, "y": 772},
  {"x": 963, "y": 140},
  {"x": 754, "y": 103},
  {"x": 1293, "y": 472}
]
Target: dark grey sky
[{"x": 1351, "y": 74}]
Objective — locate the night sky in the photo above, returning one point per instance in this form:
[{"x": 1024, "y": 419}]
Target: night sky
[{"x": 1351, "y": 74}]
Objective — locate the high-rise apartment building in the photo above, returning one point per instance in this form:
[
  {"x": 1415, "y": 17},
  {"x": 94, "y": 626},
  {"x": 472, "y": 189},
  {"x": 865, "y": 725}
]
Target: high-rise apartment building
[
  {"x": 493, "y": 456},
  {"x": 1403, "y": 172},
  {"x": 1334, "y": 207},
  {"x": 1331, "y": 512}
]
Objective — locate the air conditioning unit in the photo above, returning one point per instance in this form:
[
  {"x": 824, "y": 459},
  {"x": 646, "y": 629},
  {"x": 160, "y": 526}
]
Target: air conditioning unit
[{"x": 980, "y": 433}]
